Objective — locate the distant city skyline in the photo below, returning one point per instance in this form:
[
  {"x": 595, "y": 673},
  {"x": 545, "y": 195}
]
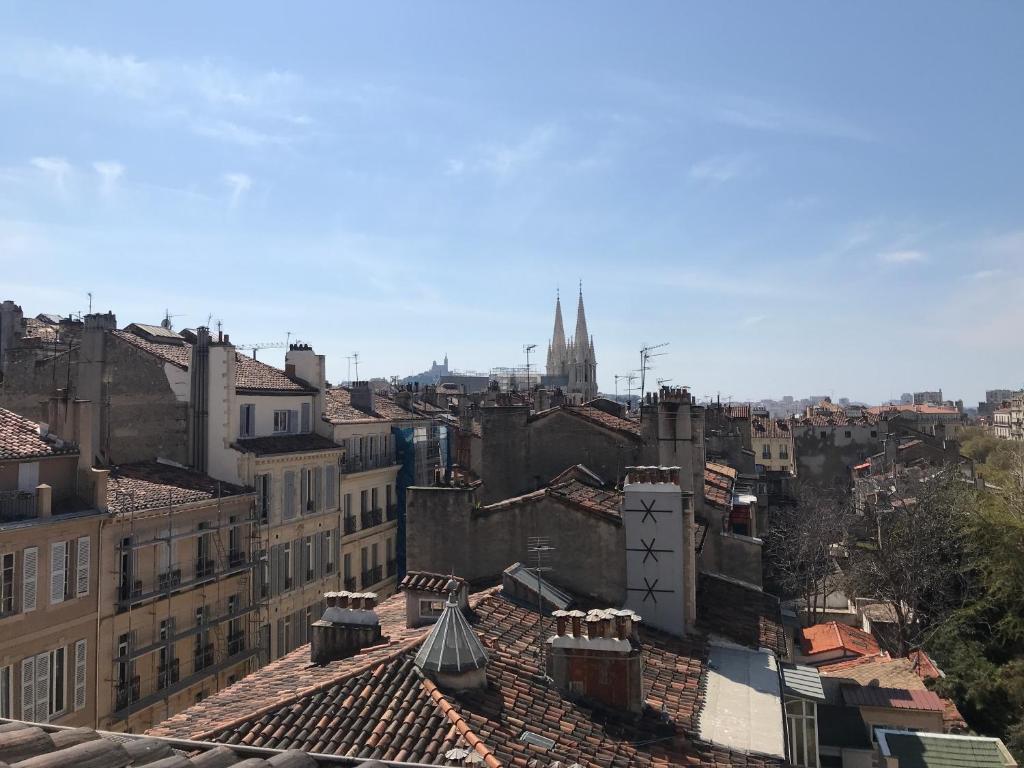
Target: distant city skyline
[{"x": 742, "y": 182}]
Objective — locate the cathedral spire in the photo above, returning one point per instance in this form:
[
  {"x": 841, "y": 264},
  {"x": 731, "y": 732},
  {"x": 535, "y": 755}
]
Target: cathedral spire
[
  {"x": 557, "y": 349},
  {"x": 582, "y": 337}
]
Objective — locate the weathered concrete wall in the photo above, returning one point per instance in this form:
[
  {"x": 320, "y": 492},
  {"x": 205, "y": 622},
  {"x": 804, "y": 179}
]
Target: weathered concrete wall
[
  {"x": 825, "y": 455},
  {"x": 740, "y": 557},
  {"x": 445, "y": 533},
  {"x": 518, "y": 456}
]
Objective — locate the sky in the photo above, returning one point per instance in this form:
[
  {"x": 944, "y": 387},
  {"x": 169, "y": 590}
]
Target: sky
[{"x": 795, "y": 197}]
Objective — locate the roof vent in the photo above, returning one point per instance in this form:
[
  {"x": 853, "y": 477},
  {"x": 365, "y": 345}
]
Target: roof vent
[
  {"x": 529, "y": 737},
  {"x": 452, "y": 654}
]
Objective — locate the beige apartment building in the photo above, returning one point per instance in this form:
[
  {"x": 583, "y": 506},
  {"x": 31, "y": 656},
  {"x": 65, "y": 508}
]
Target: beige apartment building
[
  {"x": 361, "y": 421},
  {"x": 772, "y": 443}
]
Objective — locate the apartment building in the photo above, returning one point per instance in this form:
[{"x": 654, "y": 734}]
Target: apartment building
[
  {"x": 363, "y": 422},
  {"x": 772, "y": 443}
]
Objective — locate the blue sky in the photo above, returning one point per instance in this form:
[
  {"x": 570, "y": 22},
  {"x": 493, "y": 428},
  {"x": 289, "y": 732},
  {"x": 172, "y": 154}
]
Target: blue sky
[{"x": 798, "y": 197}]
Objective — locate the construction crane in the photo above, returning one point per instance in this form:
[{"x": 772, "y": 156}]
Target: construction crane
[{"x": 261, "y": 345}]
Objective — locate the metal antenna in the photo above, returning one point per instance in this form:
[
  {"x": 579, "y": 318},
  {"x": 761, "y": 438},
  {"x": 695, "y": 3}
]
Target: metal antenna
[
  {"x": 355, "y": 359},
  {"x": 89, "y": 294},
  {"x": 646, "y": 353},
  {"x": 528, "y": 348},
  {"x": 541, "y": 549}
]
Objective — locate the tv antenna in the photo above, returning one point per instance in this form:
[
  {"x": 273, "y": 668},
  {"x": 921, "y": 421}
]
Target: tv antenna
[
  {"x": 541, "y": 550},
  {"x": 646, "y": 353},
  {"x": 629, "y": 378},
  {"x": 89, "y": 294},
  {"x": 528, "y": 348},
  {"x": 355, "y": 361},
  {"x": 167, "y": 323},
  {"x": 261, "y": 345}
]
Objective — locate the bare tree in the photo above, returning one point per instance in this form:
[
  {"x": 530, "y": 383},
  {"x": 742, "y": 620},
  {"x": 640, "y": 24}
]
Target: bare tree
[
  {"x": 801, "y": 543},
  {"x": 914, "y": 563}
]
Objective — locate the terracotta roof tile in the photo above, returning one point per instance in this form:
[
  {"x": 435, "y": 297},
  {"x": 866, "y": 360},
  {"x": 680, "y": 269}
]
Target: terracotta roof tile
[
  {"x": 338, "y": 409},
  {"x": 19, "y": 439},
  {"x": 149, "y": 485},
  {"x": 424, "y": 581},
  {"x": 762, "y": 426},
  {"x": 895, "y": 698},
  {"x": 836, "y": 636},
  {"x": 595, "y": 416}
]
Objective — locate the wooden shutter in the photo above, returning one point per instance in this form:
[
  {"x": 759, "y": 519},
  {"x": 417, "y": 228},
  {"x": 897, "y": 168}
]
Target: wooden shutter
[
  {"x": 280, "y": 639},
  {"x": 318, "y": 489},
  {"x": 29, "y": 578},
  {"x": 336, "y": 543},
  {"x": 82, "y": 558},
  {"x": 305, "y": 417},
  {"x": 28, "y": 688},
  {"x": 42, "y": 688},
  {"x": 80, "y": 674},
  {"x": 289, "y": 494},
  {"x": 331, "y": 486},
  {"x": 321, "y": 560},
  {"x": 58, "y": 564},
  {"x": 298, "y": 577},
  {"x": 275, "y": 570},
  {"x": 303, "y": 491},
  {"x": 293, "y": 421}
]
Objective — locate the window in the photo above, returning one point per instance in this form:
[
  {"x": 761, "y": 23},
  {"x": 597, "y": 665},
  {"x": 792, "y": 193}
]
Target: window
[
  {"x": 783, "y": 451},
  {"x": 431, "y": 607},
  {"x": 287, "y": 564},
  {"x": 364, "y": 559},
  {"x": 363, "y": 501},
  {"x": 331, "y": 486},
  {"x": 289, "y": 494},
  {"x": 329, "y": 551},
  {"x": 374, "y": 554},
  {"x": 29, "y": 575},
  {"x": 59, "y": 554},
  {"x": 282, "y": 421},
  {"x": 6, "y": 585},
  {"x": 247, "y": 420},
  {"x": 347, "y": 566},
  {"x": 874, "y": 433},
  {"x": 309, "y": 558},
  {"x": 766, "y": 451},
  {"x": 848, "y": 433},
  {"x": 373, "y": 499},
  {"x": 6, "y": 694},
  {"x": 801, "y": 719},
  {"x": 57, "y": 681},
  {"x": 824, "y": 434},
  {"x": 263, "y": 497},
  {"x": 83, "y": 555},
  {"x": 348, "y": 504}
]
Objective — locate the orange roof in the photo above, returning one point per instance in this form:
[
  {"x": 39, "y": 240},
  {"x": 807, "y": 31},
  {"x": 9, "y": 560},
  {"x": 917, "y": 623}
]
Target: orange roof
[{"x": 834, "y": 636}]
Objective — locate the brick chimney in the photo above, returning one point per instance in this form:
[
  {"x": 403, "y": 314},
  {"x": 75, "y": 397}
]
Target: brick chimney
[
  {"x": 348, "y": 625},
  {"x": 596, "y": 656},
  {"x": 403, "y": 397},
  {"x": 362, "y": 396}
]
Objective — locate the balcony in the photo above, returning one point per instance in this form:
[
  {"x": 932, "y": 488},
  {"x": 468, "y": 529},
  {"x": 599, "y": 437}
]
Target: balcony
[
  {"x": 168, "y": 674},
  {"x": 17, "y": 505},
  {"x": 391, "y": 512},
  {"x": 350, "y": 524},
  {"x": 363, "y": 463},
  {"x": 127, "y": 692},
  {"x": 371, "y": 517},
  {"x": 392, "y": 568},
  {"x": 373, "y": 576},
  {"x": 203, "y": 657},
  {"x": 350, "y": 583},
  {"x": 169, "y": 579}
]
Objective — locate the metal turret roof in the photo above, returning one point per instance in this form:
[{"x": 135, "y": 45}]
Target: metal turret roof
[{"x": 452, "y": 646}]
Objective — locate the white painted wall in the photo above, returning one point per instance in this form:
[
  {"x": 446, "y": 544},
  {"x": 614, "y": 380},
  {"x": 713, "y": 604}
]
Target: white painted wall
[
  {"x": 653, "y": 518},
  {"x": 179, "y": 381},
  {"x": 265, "y": 407}
]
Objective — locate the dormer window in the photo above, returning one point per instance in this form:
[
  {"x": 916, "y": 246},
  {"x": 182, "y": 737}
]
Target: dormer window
[{"x": 282, "y": 421}]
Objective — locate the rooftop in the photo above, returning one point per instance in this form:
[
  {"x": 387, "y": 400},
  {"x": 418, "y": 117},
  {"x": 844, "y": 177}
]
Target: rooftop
[
  {"x": 596, "y": 416},
  {"x": 378, "y": 705},
  {"x": 151, "y": 485},
  {"x": 424, "y": 581},
  {"x": 933, "y": 750},
  {"x": 338, "y": 409},
  {"x": 764, "y": 427},
  {"x": 275, "y": 444},
  {"x": 892, "y": 698},
  {"x": 20, "y": 439},
  {"x": 836, "y": 636},
  {"x": 251, "y": 376}
]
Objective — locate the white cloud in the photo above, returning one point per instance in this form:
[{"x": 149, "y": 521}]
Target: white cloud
[
  {"x": 753, "y": 320},
  {"x": 903, "y": 257},
  {"x": 506, "y": 160},
  {"x": 238, "y": 184},
  {"x": 719, "y": 168},
  {"x": 109, "y": 172},
  {"x": 985, "y": 274},
  {"x": 226, "y": 130},
  {"x": 56, "y": 168}
]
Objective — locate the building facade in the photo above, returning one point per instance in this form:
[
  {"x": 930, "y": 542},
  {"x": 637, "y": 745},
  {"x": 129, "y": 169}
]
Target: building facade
[{"x": 573, "y": 363}]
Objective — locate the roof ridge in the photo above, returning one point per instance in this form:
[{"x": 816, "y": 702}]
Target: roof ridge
[{"x": 459, "y": 723}]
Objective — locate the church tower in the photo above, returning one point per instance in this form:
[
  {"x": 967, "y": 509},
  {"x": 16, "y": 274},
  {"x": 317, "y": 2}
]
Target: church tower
[{"x": 574, "y": 363}]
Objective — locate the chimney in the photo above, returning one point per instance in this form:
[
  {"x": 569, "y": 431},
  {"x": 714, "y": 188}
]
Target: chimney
[
  {"x": 403, "y": 397},
  {"x": 44, "y": 501},
  {"x": 362, "y": 396},
  {"x": 655, "y": 507},
  {"x": 348, "y": 625},
  {"x": 604, "y": 666},
  {"x": 199, "y": 400},
  {"x": 100, "y": 478}
]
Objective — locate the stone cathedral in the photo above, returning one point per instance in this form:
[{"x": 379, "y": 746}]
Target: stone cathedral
[{"x": 572, "y": 364}]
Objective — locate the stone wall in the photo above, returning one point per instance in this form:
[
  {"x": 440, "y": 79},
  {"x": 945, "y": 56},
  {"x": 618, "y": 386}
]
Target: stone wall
[
  {"x": 446, "y": 533},
  {"x": 827, "y": 460}
]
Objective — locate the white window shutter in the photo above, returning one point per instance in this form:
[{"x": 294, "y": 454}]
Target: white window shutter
[
  {"x": 29, "y": 578},
  {"x": 28, "y": 688},
  {"x": 57, "y": 566},
  {"x": 82, "y": 565},
  {"x": 42, "y": 688},
  {"x": 81, "y": 661}
]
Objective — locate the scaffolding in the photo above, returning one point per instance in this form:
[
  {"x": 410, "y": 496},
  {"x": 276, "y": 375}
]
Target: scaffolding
[{"x": 160, "y": 588}]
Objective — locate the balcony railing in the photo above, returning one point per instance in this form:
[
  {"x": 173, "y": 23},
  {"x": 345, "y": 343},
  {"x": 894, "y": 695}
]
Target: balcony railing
[
  {"x": 169, "y": 579},
  {"x": 236, "y": 558},
  {"x": 391, "y": 512},
  {"x": 350, "y": 583},
  {"x": 363, "y": 463},
  {"x": 373, "y": 576},
  {"x": 350, "y": 524},
  {"x": 168, "y": 674},
  {"x": 371, "y": 517},
  {"x": 392, "y": 568},
  {"x": 17, "y": 505},
  {"x": 128, "y": 692}
]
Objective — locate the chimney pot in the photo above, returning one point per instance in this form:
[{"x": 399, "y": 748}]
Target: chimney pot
[
  {"x": 343, "y": 599},
  {"x": 560, "y": 622},
  {"x": 576, "y": 617},
  {"x": 44, "y": 500}
]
